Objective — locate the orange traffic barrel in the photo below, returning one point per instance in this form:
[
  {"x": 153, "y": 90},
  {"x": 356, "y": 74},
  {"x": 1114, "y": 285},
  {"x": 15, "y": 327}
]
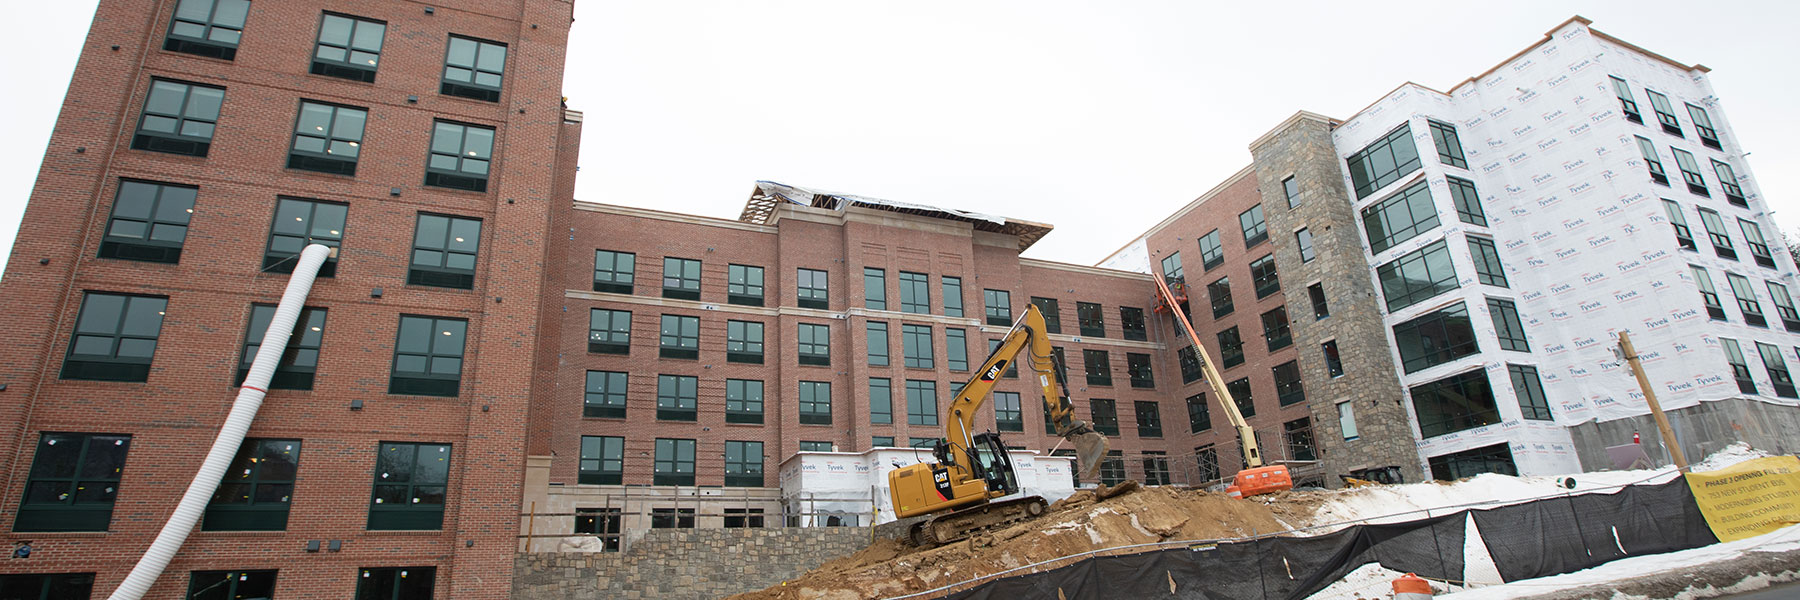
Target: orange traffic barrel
[
  {"x": 1411, "y": 587},
  {"x": 1233, "y": 491}
]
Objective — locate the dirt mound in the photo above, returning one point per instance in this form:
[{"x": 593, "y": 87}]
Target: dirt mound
[{"x": 1073, "y": 525}]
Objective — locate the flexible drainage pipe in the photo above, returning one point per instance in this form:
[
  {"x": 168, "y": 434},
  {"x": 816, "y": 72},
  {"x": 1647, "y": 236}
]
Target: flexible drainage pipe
[{"x": 231, "y": 436}]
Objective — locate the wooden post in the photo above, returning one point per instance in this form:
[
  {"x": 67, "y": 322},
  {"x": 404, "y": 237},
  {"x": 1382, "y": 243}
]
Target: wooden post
[
  {"x": 530, "y": 522},
  {"x": 1662, "y": 420}
]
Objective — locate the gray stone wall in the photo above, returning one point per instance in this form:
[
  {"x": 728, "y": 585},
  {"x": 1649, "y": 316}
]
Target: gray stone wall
[{"x": 690, "y": 564}]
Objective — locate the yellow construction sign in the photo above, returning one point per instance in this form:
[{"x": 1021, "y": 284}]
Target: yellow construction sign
[{"x": 1750, "y": 498}]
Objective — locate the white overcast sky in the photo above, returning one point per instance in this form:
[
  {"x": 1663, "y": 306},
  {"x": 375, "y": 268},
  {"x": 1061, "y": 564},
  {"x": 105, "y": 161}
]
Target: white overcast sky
[{"x": 1097, "y": 117}]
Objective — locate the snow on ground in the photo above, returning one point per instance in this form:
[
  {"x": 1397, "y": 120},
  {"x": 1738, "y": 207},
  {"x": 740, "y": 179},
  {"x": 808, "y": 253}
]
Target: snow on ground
[{"x": 1628, "y": 568}]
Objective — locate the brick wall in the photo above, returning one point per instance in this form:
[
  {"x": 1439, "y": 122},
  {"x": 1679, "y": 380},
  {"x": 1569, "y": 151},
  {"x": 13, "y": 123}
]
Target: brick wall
[{"x": 698, "y": 564}]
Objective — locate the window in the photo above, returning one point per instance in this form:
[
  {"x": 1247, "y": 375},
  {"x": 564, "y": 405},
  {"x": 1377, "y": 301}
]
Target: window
[
  {"x": 473, "y": 69},
  {"x": 1255, "y": 229},
  {"x": 806, "y": 446},
  {"x": 605, "y": 394},
  {"x": 1206, "y": 460},
  {"x": 299, "y": 359},
  {"x": 1008, "y": 415},
  {"x": 1012, "y": 368},
  {"x": 1334, "y": 364},
  {"x": 744, "y": 464},
  {"x": 1455, "y": 403},
  {"x": 1105, "y": 416},
  {"x": 953, "y": 306},
  {"x": 1715, "y": 232},
  {"x": 1288, "y": 388},
  {"x": 1275, "y": 329},
  {"x": 1212, "y": 253},
  {"x": 1746, "y": 299},
  {"x": 227, "y": 585},
  {"x": 1303, "y": 239},
  {"x": 1740, "y": 370},
  {"x": 1487, "y": 261},
  {"x": 1219, "y": 293},
  {"x": 1240, "y": 395},
  {"x": 410, "y": 482},
  {"x": 1292, "y": 191},
  {"x": 1530, "y": 391},
  {"x": 178, "y": 118},
  {"x": 1090, "y": 318},
  {"x": 257, "y": 488},
  {"x": 1383, "y": 162},
  {"x": 1417, "y": 276},
  {"x": 1299, "y": 436},
  {"x": 1507, "y": 325},
  {"x": 915, "y": 342},
  {"x": 1690, "y": 172},
  {"x": 921, "y": 442},
  {"x": 878, "y": 344},
  {"x": 743, "y": 401},
  {"x": 1435, "y": 338},
  {"x": 875, "y": 288},
  {"x": 672, "y": 518},
  {"x": 1231, "y": 348},
  {"x": 1317, "y": 293},
  {"x": 1149, "y": 419},
  {"x": 1347, "y": 420},
  {"x": 1051, "y": 311},
  {"x": 602, "y": 460},
  {"x": 1449, "y": 148},
  {"x": 999, "y": 306},
  {"x": 1468, "y": 201},
  {"x": 1131, "y": 323},
  {"x": 680, "y": 337},
  {"x": 1759, "y": 246},
  {"x": 881, "y": 402},
  {"x": 1779, "y": 377},
  {"x": 443, "y": 252},
  {"x": 298, "y": 223},
  {"x": 1190, "y": 364},
  {"x": 327, "y": 138},
  {"x": 1784, "y": 306},
  {"x": 1728, "y": 181},
  {"x": 1657, "y": 174},
  {"x": 397, "y": 583},
  {"x": 1138, "y": 366},
  {"x": 921, "y": 402},
  {"x": 815, "y": 291},
  {"x": 1704, "y": 127},
  {"x": 1112, "y": 468},
  {"x": 744, "y": 285},
  {"x": 677, "y": 398},
  {"x": 616, "y": 272},
  {"x": 115, "y": 337},
  {"x": 744, "y": 342},
  {"x": 1156, "y": 468},
  {"x": 603, "y": 523},
  {"x": 1708, "y": 294},
  {"x": 1496, "y": 458},
  {"x": 815, "y": 344},
  {"x": 956, "y": 346},
  {"x": 1400, "y": 217},
  {"x": 1199, "y": 415},
  {"x": 1098, "y": 365},
  {"x": 1626, "y": 105},
  {"x": 459, "y": 156},
  {"x": 815, "y": 403},
  {"x": 349, "y": 47},
  {"x": 1171, "y": 268},
  {"x": 915, "y": 293},
  {"x": 74, "y": 480},
  {"x": 1264, "y": 277},
  {"x": 1683, "y": 235},
  {"x": 674, "y": 465},
  {"x": 209, "y": 28},
  {"x": 609, "y": 331},
  {"x": 1664, "y": 113}
]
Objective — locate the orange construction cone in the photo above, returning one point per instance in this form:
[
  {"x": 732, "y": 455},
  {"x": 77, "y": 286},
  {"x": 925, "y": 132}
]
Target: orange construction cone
[
  {"x": 1233, "y": 491},
  {"x": 1411, "y": 587}
]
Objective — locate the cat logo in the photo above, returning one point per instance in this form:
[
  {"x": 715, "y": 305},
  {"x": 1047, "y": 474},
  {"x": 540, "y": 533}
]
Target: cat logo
[
  {"x": 940, "y": 478},
  {"x": 993, "y": 373}
]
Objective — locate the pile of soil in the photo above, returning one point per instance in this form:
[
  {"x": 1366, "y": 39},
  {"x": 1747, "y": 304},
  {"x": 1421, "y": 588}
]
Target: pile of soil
[{"x": 1076, "y": 524}]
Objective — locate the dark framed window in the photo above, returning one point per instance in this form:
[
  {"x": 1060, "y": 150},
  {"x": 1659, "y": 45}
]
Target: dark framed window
[
  {"x": 1219, "y": 293},
  {"x": 1496, "y": 458},
  {"x": 677, "y": 398},
  {"x": 1051, "y": 311},
  {"x": 1212, "y": 253},
  {"x": 1131, "y": 323},
  {"x": 882, "y": 441},
  {"x": 815, "y": 403},
  {"x": 1383, "y": 161},
  {"x": 115, "y": 337},
  {"x": 1507, "y": 325},
  {"x": 1776, "y": 367},
  {"x": 743, "y": 401},
  {"x": 1008, "y": 414},
  {"x": 1683, "y": 235},
  {"x": 410, "y": 483},
  {"x": 1435, "y": 338},
  {"x": 998, "y": 304},
  {"x": 1728, "y": 182},
  {"x": 210, "y": 28},
  {"x": 299, "y": 223},
  {"x": 1417, "y": 276},
  {"x": 73, "y": 483},
  {"x": 1740, "y": 369},
  {"x": 743, "y": 464},
  {"x": 1334, "y": 364},
  {"x": 349, "y": 47},
  {"x": 1104, "y": 416},
  {"x": 179, "y": 118},
  {"x": 460, "y": 154},
  {"x": 1690, "y": 172},
  {"x": 473, "y": 68},
  {"x": 299, "y": 360},
  {"x": 1449, "y": 147},
  {"x": 1264, "y": 277},
  {"x": 1091, "y": 320},
  {"x": 1665, "y": 114},
  {"x": 814, "y": 289},
  {"x": 1626, "y": 105},
  {"x": 875, "y": 288},
  {"x": 1648, "y": 149},
  {"x": 1012, "y": 370},
  {"x": 915, "y": 342},
  {"x": 878, "y": 344},
  {"x": 919, "y": 442},
  {"x": 1149, "y": 419},
  {"x": 1275, "y": 329},
  {"x": 1299, "y": 435},
  {"x": 953, "y": 300},
  {"x": 1715, "y": 232},
  {"x": 881, "y": 400},
  {"x": 815, "y": 344},
  {"x": 1347, "y": 420},
  {"x": 1240, "y": 395},
  {"x": 1138, "y": 366},
  {"x": 915, "y": 293},
  {"x": 1759, "y": 246},
  {"x": 604, "y": 523},
  {"x": 1291, "y": 190},
  {"x": 615, "y": 271},
  {"x": 1199, "y": 414},
  {"x": 428, "y": 355},
  {"x": 1303, "y": 240},
  {"x": 674, "y": 465},
  {"x": 327, "y": 138},
  {"x": 1190, "y": 364},
  {"x": 681, "y": 278},
  {"x": 1467, "y": 200},
  {"x": 1530, "y": 392},
  {"x": 1112, "y": 468},
  {"x": 605, "y": 394},
  {"x": 1231, "y": 348},
  {"x": 257, "y": 489},
  {"x": 1704, "y": 127},
  {"x": 1455, "y": 403},
  {"x": 921, "y": 402},
  {"x": 1156, "y": 468},
  {"x": 956, "y": 348},
  {"x": 1708, "y": 294},
  {"x": 744, "y": 285},
  {"x": 1784, "y": 306},
  {"x": 396, "y": 583},
  {"x": 149, "y": 221},
  {"x": 1256, "y": 230},
  {"x": 1746, "y": 299},
  {"x": 1171, "y": 268},
  {"x": 680, "y": 337},
  {"x": 744, "y": 342},
  {"x": 1488, "y": 269},
  {"x": 1400, "y": 217},
  {"x": 1316, "y": 292},
  {"x": 444, "y": 251},
  {"x": 1098, "y": 367},
  {"x": 1288, "y": 388},
  {"x": 602, "y": 460},
  {"x": 672, "y": 518},
  {"x": 609, "y": 331},
  {"x": 230, "y": 585}
]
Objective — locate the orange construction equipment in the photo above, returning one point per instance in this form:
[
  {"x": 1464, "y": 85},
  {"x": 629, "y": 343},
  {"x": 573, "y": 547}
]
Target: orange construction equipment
[
  {"x": 1411, "y": 587},
  {"x": 1256, "y": 478}
]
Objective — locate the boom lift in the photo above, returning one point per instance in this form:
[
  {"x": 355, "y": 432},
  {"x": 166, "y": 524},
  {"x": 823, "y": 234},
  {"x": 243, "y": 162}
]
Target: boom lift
[{"x": 973, "y": 469}]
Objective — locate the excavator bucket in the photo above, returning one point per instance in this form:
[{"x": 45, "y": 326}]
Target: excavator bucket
[{"x": 1090, "y": 449}]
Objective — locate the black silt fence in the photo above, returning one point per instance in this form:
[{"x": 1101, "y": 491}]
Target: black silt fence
[{"x": 1562, "y": 535}]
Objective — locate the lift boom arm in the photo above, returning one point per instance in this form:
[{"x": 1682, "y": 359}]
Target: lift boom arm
[{"x": 1246, "y": 435}]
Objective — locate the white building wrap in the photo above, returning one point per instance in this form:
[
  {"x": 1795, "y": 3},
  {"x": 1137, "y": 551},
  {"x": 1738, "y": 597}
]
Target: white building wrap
[{"x": 842, "y": 482}]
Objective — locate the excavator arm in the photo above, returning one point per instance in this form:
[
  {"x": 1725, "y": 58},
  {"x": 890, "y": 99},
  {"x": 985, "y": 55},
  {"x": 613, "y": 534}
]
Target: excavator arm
[{"x": 1028, "y": 341}]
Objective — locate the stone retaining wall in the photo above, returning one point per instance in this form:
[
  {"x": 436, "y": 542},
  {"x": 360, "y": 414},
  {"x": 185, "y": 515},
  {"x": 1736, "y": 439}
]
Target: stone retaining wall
[{"x": 691, "y": 564}]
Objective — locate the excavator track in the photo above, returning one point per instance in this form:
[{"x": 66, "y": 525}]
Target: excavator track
[{"x": 959, "y": 525}]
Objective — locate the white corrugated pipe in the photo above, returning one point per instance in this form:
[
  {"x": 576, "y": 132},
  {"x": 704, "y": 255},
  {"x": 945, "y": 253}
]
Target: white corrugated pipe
[{"x": 231, "y": 436}]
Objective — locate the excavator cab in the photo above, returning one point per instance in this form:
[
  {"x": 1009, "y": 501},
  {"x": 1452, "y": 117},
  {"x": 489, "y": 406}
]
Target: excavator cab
[{"x": 994, "y": 465}]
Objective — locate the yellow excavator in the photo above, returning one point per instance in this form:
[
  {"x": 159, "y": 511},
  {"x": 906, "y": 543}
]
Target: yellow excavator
[{"x": 972, "y": 469}]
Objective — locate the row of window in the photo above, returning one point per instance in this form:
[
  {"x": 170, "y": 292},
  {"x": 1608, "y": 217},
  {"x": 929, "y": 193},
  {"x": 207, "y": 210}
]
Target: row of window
[
  {"x": 1466, "y": 400},
  {"x": 1253, "y": 226},
  {"x": 1744, "y": 293},
  {"x": 1780, "y": 378},
  {"x": 1665, "y": 114},
  {"x": 1718, "y": 235},
  {"x": 1690, "y": 173},
  {"x": 372, "y": 583},
  {"x": 1447, "y": 334}
]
